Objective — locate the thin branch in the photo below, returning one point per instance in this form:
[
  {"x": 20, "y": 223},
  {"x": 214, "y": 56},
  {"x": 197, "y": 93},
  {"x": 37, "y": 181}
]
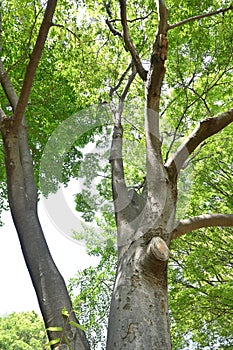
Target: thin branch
[
  {"x": 204, "y": 15},
  {"x": 128, "y": 84},
  {"x": 108, "y": 8},
  {"x": 24, "y": 55},
  {"x": 34, "y": 61},
  {"x": 8, "y": 87},
  {"x": 135, "y": 19},
  {"x": 114, "y": 31},
  {"x": 202, "y": 99},
  {"x": 67, "y": 29},
  {"x": 205, "y": 91},
  {"x": 204, "y": 130},
  {"x": 194, "y": 155},
  {"x": 119, "y": 110},
  {"x": 159, "y": 55},
  {"x": 115, "y": 88},
  {"x": 129, "y": 45},
  {"x": 119, "y": 188},
  {"x": 206, "y": 220}
]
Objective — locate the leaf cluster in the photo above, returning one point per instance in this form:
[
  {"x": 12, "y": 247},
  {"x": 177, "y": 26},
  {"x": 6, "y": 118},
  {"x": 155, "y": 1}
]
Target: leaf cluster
[{"x": 22, "y": 331}]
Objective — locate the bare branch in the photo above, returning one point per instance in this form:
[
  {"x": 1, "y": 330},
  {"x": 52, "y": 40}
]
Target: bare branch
[
  {"x": 114, "y": 31},
  {"x": 204, "y": 15},
  {"x": 135, "y": 19},
  {"x": 7, "y": 87},
  {"x": 129, "y": 45},
  {"x": 119, "y": 188},
  {"x": 158, "y": 57},
  {"x": 163, "y": 15},
  {"x": 206, "y": 220},
  {"x": 205, "y": 129},
  {"x": 25, "y": 53},
  {"x": 128, "y": 84},
  {"x": 34, "y": 61},
  {"x": 154, "y": 168},
  {"x": 115, "y": 88},
  {"x": 118, "y": 112},
  {"x": 67, "y": 29}
]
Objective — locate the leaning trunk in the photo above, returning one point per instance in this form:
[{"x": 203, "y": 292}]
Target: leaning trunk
[{"x": 48, "y": 283}]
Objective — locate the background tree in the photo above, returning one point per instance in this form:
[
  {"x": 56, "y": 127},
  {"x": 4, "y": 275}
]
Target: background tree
[
  {"x": 196, "y": 87},
  {"x": 22, "y": 331}
]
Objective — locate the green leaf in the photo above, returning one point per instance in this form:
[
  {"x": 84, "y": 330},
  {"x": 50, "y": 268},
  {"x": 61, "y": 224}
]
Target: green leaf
[
  {"x": 53, "y": 342},
  {"x": 77, "y": 325},
  {"x": 65, "y": 312},
  {"x": 55, "y": 329}
]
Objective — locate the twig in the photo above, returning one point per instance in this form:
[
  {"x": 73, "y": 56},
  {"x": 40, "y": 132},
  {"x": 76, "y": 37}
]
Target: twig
[
  {"x": 204, "y": 15},
  {"x": 67, "y": 29},
  {"x": 135, "y": 19}
]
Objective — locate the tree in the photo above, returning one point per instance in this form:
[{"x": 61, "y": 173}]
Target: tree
[
  {"x": 22, "y": 331},
  {"x": 22, "y": 195},
  {"x": 196, "y": 87}
]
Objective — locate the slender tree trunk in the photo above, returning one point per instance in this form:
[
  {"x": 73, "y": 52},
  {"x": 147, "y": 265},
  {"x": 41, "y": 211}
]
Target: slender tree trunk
[{"x": 48, "y": 283}]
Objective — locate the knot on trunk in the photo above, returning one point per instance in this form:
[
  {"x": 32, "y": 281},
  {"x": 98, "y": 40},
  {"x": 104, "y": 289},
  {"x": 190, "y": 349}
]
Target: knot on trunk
[{"x": 158, "y": 248}]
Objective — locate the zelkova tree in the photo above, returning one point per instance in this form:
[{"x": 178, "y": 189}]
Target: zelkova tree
[
  {"x": 22, "y": 195},
  {"x": 146, "y": 221},
  {"x": 145, "y": 228}
]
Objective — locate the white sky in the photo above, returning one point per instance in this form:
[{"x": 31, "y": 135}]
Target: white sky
[{"x": 16, "y": 292}]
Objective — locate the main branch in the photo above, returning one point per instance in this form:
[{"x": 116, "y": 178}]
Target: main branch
[
  {"x": 8, "y": 87},
  {"x": 204, "y": 130},
  {"x": 120, "y": 192},
  {"x": 155, "y": 171},
  {"x": 126, "y": 36},
  {"x": 203, "y": 15},
  {"x": 206, "y": 220},
  {"x": 34, "y": 61}
]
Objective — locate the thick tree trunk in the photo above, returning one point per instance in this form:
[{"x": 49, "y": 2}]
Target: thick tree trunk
[
  {"x": 139, "y": 308},
  {"x": 47, "y": 280}
]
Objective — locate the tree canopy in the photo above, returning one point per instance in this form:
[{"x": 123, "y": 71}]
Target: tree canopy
[
  {"x": 97, "y": 58},
  {"x": 22, "y": 331}
]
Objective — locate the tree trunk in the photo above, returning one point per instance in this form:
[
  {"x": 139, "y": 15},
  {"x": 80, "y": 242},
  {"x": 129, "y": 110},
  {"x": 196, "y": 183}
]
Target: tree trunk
[
  {"x": 139, "y": 308},
  {"x": 47, "y": 280}
]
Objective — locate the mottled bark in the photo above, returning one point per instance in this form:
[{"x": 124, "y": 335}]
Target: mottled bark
[
  {"x": 146, "y": 222},
  {"x": 139, "y": 309}
]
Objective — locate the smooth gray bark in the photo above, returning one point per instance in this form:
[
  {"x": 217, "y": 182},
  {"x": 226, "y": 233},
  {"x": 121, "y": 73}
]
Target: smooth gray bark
[{"x": 139, "y": 308}]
